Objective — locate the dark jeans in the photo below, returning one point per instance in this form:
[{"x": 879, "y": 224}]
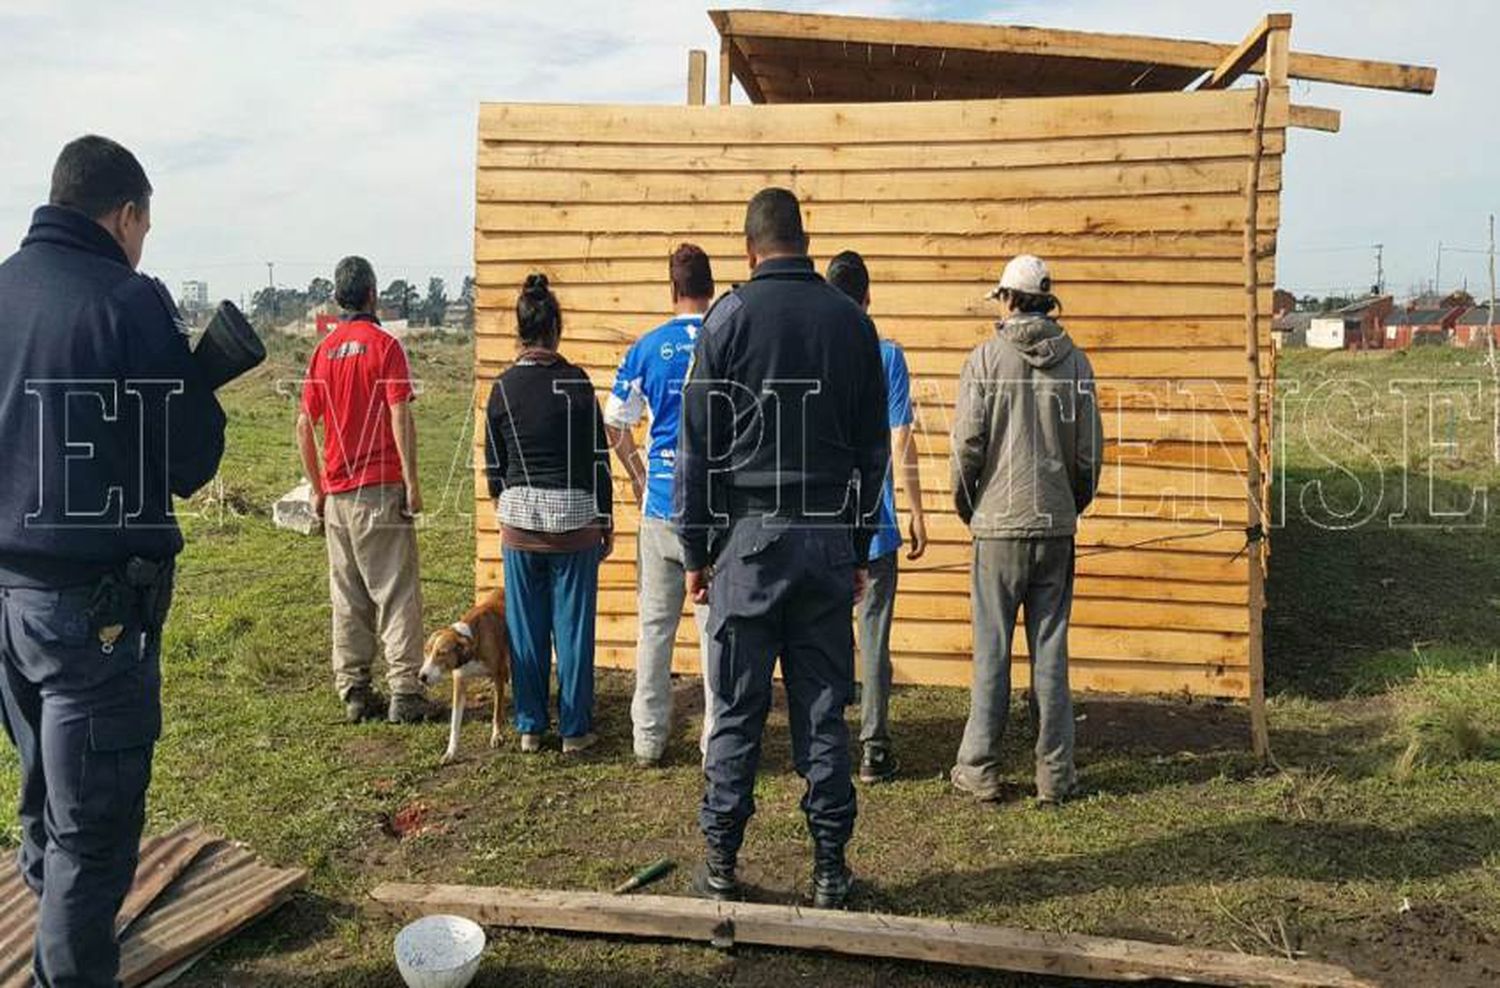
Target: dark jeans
[
  {"x": 874, "y": 616},
  {"x": 84, "y": 718},
  {"x": 552, "y": 597},
  {"x": 1010, "y": 573},
  {"x": 780, "y": 590}
]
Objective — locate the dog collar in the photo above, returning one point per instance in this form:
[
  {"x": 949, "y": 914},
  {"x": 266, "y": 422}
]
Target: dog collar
[{"x": 463, "y": 630}]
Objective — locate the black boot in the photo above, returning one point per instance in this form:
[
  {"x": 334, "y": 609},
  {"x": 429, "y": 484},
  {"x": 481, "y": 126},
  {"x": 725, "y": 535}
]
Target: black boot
[
  {"x": 714, "y": 878},
  {"x": 832, "y": 879}
]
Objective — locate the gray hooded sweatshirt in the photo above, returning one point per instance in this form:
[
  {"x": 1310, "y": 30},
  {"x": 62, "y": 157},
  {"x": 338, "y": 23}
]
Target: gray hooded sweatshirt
[{"x": 1027, "y": 436}]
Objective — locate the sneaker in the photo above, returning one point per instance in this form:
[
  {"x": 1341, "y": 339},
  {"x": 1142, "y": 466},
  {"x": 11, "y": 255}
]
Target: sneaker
[
  {"x": 578, "y": 745},
  {"x": 413, "y": 708},
  {"x": 984, "y": 793},
  {"x": 362, "y": 703},
  {"x": 531, "y": 744},
  {"x": 877, "y": 765},
  {"x": 716, "y": 881},
  {"x": 832, "y": 879}
]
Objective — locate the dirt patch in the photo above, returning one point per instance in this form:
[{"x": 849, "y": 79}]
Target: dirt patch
[
  {"x": 1426, "y": 945},
  {"x": 1160, "y": 727}
]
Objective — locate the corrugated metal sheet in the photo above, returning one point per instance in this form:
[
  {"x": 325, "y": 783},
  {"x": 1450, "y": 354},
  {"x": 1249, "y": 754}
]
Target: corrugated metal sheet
[
  {"x": 191, "y": 890},
  {"x": 225, "y": 889}
]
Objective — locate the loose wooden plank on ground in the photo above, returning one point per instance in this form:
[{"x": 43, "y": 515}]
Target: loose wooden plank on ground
[{"x": 859, "y": 934}]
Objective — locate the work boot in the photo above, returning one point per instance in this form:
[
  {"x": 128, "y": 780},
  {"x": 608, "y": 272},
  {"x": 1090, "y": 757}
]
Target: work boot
[
  {"x": 412, "y": 708},
  {"x": 877, "y": 765},
  {"x": 714, "y": 878},
  {"x": 832, "y": 879},
  {"x": 362, "y": 703}
]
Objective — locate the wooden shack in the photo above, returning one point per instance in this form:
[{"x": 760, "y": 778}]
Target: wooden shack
[{"x": 1134, "y": 165}]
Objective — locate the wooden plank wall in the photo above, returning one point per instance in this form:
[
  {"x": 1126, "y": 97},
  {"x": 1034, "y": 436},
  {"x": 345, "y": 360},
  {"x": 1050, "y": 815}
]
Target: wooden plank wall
[{"x": 1138, "y": 203}]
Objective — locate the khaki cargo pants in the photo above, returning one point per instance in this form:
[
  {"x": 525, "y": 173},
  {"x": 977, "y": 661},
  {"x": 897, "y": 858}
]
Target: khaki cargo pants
[{"x": 376, "y": 587}]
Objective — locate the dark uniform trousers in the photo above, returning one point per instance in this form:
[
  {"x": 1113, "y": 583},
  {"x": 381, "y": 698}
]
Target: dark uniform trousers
[
  {"x": 84, "y": 717},
  {"x": 780, "y": 589}
]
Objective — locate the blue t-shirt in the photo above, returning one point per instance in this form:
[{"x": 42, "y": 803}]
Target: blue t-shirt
[
  {"x": 898, "y": 410},
  {"x": 649, "y": 382}
]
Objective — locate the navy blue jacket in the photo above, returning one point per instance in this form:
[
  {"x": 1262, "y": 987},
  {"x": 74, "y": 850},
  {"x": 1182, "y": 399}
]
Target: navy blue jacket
[
  {"x": 796, "y": 366},
  {"x": 103, "y": 413}
]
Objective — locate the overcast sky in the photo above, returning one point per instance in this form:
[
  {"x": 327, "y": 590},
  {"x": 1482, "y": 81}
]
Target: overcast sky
[{"x": 298, "y": 132}]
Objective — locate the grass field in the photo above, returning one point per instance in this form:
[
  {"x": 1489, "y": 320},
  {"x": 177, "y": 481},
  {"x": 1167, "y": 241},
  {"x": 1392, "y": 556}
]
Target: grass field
[{"x": 1377, "y": 844}]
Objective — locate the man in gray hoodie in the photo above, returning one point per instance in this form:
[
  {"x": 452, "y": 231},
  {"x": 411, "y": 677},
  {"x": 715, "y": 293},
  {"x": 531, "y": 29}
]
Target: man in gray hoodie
[{"x": 1027, "y": 450}]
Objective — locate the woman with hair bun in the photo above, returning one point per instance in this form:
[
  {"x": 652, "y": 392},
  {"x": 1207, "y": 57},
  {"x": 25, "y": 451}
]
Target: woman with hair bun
[{"x": 548, "y": 471}]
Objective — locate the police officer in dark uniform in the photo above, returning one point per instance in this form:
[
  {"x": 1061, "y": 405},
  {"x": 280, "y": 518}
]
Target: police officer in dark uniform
[
  {"x": 782, "y": 455},
  {"x": 103, "y": 418}
]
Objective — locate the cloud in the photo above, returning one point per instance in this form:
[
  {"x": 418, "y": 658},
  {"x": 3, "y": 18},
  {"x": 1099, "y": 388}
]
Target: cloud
[{"x": 299, "y": 132}]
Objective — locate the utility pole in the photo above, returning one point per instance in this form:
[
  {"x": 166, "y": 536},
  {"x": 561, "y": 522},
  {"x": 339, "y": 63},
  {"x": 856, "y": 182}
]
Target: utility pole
[
  {"x": 1379, "y": 270},
  {"x": 1489, "y": 335},
  {"x": 271, "y": 284},
  {"x": 1437, "y": 281}
]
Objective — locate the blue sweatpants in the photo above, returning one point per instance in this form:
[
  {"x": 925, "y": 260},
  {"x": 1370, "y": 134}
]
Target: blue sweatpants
[{"x": 550, "y": 600}]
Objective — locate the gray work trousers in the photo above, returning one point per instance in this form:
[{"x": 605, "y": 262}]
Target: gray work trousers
[
  {"x": 1010, "y": 574},
  {"x": 873, "y": 616},
  {"x": 660, "y": 591}
]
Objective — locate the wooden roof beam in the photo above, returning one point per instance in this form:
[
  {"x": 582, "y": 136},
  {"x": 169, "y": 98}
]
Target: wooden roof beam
[
  {"x": 1314, "y": 118},
  {"x": 1058, "y": 43},
  {"x": 1247, "y": 52}
]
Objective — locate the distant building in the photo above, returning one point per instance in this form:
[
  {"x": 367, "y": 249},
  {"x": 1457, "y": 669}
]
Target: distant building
[
  {"x": 1418, "y": 326},
  {"x": 1357, "y": 326},
  {"x": 194, "y": 296},
  {"x": 1289, "y": 329},
  {"x": 1469, "y": 328}
]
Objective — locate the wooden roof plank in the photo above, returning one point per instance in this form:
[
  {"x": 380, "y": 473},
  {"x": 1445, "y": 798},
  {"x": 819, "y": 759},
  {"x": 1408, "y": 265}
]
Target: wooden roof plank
[
  {"x": 1057, "y": 43},
  {"x": 1247, "y": 52}
]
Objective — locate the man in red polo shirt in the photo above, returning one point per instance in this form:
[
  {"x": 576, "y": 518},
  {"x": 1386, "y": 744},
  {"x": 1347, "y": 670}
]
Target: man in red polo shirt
[{"x": 366, "y": 490}]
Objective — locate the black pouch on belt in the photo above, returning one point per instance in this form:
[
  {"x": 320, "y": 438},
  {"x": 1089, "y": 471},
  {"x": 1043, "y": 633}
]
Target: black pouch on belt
[{"x": 151, "y": 582}]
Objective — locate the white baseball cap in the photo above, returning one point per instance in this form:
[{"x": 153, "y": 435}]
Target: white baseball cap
[{"x": 1025, "y": 273}]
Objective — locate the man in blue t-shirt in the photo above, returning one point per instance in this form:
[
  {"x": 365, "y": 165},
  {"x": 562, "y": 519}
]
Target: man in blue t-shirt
[
  {"x": 847, "y": 272},
  {"x": 649, "y": 384}
]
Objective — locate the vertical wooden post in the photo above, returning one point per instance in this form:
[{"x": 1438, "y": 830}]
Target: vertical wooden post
[
  {"x": 1260, "y": 733},
  {"x": 1279, "y": 51},
  {"x": 726, "y": 75},
  {"x": 697, "y": 92}
]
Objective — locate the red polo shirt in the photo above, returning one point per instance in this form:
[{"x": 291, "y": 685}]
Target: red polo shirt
[{"x": 357, "y": 373}]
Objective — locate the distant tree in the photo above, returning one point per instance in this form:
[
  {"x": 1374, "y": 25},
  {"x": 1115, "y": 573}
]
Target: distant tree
[
  {"x": 400, "y": 297},
  {"x": 1282, "y": 301},
  {"x": 319, "y": 292},
  {"x": 1332, "y": 302},
  {"x": 1459, "y": 298},
  {"x": 272, "y": 307},
  {"x": 467, "y": 297},
  {"x": 437, "y": 301}
]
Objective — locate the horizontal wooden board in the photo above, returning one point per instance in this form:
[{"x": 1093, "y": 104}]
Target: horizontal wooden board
[
  {"x": 1146, "y": 563},
  {"x": 580, "y": 154},
  {"x": 922, "y": 299},
  {"x": 942, "y": 638},
  {"x": 1119, "y": 214},
  {"x": 886, "y": 271},
  {"x": 989, "y": 245},
  {"x": 969, "y": 184},
  {"x": 1084, "y": 675},
  {"x": 497, "y": 347},
  {"x": 1099, "y": 612},
  {"x": 879, "y": 123}
]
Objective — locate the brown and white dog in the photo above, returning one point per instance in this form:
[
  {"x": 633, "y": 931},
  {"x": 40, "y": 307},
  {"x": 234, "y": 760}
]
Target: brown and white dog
[{"x": 475, "y": 647}]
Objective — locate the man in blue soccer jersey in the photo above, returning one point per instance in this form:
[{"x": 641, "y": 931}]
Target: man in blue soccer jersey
[
  {"x": 847, "y": 272},
  {"x": 649, "y": 383}
]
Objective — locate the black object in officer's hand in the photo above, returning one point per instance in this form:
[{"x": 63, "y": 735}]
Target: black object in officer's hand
[{"x": 229, "y": 346}]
